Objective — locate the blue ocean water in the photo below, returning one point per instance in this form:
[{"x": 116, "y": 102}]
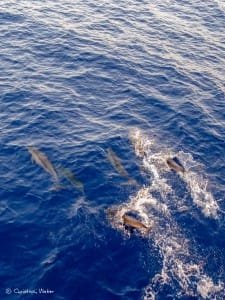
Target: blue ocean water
[{"x": 78, "y": 78}]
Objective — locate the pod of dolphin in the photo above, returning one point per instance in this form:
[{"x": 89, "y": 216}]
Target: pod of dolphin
[{"x": 128, "y": 222}]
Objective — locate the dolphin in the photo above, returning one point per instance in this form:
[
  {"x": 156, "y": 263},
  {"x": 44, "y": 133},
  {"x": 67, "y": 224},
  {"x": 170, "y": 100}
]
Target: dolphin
[
  {"x": 72, "y": 178},
  {"x": 116, "y": 163},
  {"x": 42, "y": 160},
  {"x": 129, "y": 222},
  {"x": 134, "y": 223},
  {"x": 174, "y": 165}
]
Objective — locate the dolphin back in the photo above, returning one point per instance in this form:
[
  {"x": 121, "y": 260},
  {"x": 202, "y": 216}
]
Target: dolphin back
[
  {"x": 132, "y": 222},
  {"x": 42, "y": 160},
  {"x": 175, "y": 165}
]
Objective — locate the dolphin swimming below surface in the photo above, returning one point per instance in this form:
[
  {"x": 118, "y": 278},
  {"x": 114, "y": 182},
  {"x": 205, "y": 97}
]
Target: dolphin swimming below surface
[
  {"x": 174, "y": 165},
  {"x": 116, "y": 163},
  {"x": 72, "y": 178},
  {"x": 42, "y": 160}
]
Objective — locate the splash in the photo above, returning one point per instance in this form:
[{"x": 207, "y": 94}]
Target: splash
[
  {"x": 154, "y": 161},
  {"x": 182, "y": 269},
  {"x": 197, "y": 184}
]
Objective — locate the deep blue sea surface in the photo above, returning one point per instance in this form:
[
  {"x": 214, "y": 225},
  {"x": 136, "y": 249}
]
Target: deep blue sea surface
[{"x": 91, "y": 83}]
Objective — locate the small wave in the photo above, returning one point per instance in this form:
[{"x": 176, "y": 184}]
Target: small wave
[
  {"x": 77, "y": 204},
  {"x": 50, "y": 258},
  {"x": 5, "y": 208}
]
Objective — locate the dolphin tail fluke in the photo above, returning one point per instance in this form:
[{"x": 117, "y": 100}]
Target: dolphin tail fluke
[
  {"x": 57, "y": 187},
  {"x": 133, "y": 182}
]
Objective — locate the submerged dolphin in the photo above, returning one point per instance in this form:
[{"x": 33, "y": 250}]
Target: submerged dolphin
[
  {"x": 171, "y": 162},
  {"x": 116, "y": 163},
  {"x": 72, "y": 178},
  {"x": 42, "y": 160},
  {"x": 134, "y": 223}
]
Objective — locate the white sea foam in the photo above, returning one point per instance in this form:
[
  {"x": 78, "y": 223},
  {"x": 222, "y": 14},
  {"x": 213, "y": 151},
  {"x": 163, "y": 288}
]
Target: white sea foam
[
  {"x": 198, "y": 185},
  {"x": 179, "y": 264},
  {"x": 182, "y": 269},
  {"x": 154, "y": 161}
]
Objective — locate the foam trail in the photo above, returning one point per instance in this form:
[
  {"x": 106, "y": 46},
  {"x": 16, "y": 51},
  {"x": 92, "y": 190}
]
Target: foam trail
[
  {"x": 182, "y": 270},
  {"x": 197, "y": 185},
  {"x": 201, "y": 197},
  {"x": 154, "y": 161},
  {"x": 180, "y": 267}
]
